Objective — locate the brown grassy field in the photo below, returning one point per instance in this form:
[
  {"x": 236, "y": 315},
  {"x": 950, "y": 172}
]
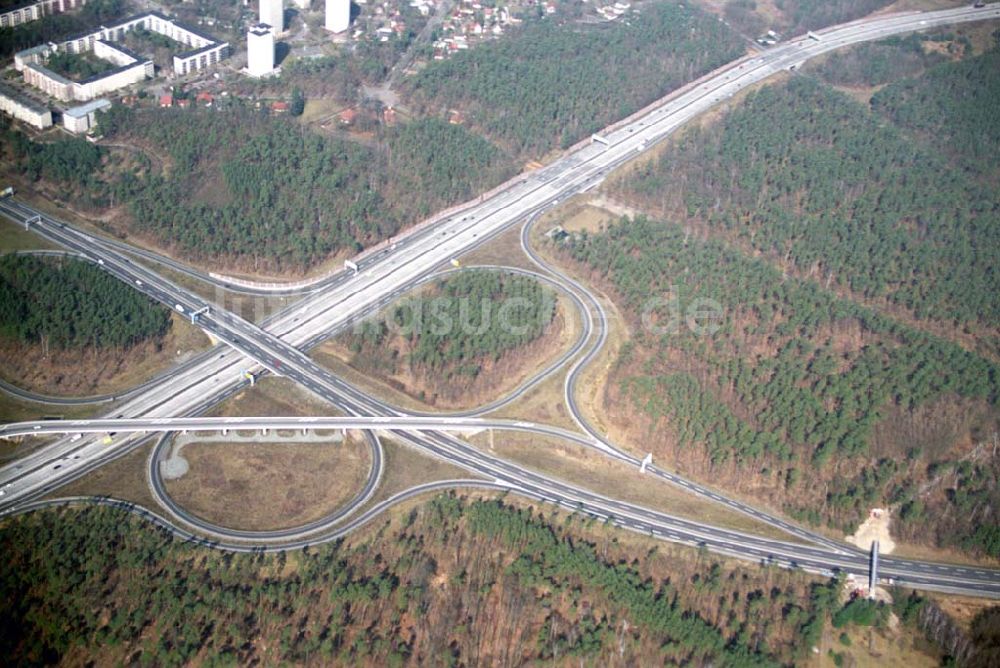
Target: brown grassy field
[
  {"x": 14, "y": 238},
  {"x": 274, "y": 396},
  {"x": 260, "y": 486}
]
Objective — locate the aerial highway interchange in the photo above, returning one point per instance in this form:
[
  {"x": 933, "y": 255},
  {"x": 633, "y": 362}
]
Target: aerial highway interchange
[{"x": 336, "y": 302}]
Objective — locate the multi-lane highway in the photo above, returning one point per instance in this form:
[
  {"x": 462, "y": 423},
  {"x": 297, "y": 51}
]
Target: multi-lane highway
[
  {"x": 820, "y": 559},
  {"x": 36, "y": 472},
  {"x": 265, "y": 424},
  {"x": 277, "y": 345},
  {"x": 735, "y": 543}
]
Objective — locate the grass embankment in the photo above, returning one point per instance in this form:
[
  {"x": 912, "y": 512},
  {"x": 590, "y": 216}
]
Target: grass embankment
[
  {"x": 90, "y": 371},
  {"x": 598, "y": 473},
  {"x": 14, "y": 237},
  {"x": 123, "y": 478}
]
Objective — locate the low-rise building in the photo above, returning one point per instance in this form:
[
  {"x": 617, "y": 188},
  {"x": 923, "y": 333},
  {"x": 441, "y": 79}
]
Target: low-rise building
[
  {"x": 200, "y": 59},
  {"x": 15, "y": 104},
  {"x": 57, "y": 86},
  {"x": 36, "y": 54},
  {"x": 81, "y": 119},
  {"x": 36, "y": 9},
  {"x": 348, "y": 116},
  {"x": 112, "y": 80},
  {"x": 205, "y": 51},
  {"x": 115, "y": 53},
  {"x": 47, "y": 81}
]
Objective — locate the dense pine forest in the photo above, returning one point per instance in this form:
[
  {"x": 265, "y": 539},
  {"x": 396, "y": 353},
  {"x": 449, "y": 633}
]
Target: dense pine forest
[
  {"x": 96, "y": 584},
  {"x": 802, "y": 15},
  {"x": 70, "y": 161},
  {"x": 808, "y": 177},
  {"x": 434, "y": 163},
  {"x": 71, "y": 304},
  {"x": 447, "y": 335},
  {"x": 797, "y": 386},
  {"x": 853, "y": 253},
  {"x": 550, "y": 85},
  {"x": 248, "y": 186},
  {"x": 967, "y": 94},
  {"x": 886, "y": 61},
  {"x": 265, "y": 192}
]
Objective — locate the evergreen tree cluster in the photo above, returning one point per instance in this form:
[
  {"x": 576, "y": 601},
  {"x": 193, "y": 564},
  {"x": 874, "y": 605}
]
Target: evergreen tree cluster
[
  {"x": 460, "y": 324},
  {"x": 72, "y": 304},
  {"x": 102, "y": 584},
  {"x": 954, "y": 107},
  {"x": 444, "y": 163},
  {"x": 878, "y": 63},
  {"x": 836, "y": 238},
  {"x": 72, "y": 161},
  {"x": 548, "y": 561},
  {"x": 550, "y": 84},
  {"x": 504, "y": 313},
  {"x": 776, "y": 388},
  {"x": 246, "y": 186},
  {"x": 809, "y": 398},
  {"x": 808, "y": 177}
]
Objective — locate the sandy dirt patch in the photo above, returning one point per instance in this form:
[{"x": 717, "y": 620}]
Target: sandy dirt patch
[{"x": 876, "y": 527}]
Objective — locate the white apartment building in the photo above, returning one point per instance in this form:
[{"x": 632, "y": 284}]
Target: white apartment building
[
  {"x": 272, "y": 13},
  {"x": 80, "y": 119},
  {"x": 18, "y": 106},
  {"x": 205, "y": 51},
  {"x": 338, "y": 15},
  {"x": 260, "y": 50},
  {"x": 32, "y": 11}
]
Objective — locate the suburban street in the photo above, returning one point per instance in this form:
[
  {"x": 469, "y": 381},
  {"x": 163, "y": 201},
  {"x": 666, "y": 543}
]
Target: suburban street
[{"x": 338, "y": 301}]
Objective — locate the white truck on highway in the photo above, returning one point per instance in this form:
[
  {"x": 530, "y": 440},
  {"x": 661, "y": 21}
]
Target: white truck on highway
[
  {"x": 812, "y": 35},
  {"x": 6, "y": 192},
  {"x": 180, "y": 308}
]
